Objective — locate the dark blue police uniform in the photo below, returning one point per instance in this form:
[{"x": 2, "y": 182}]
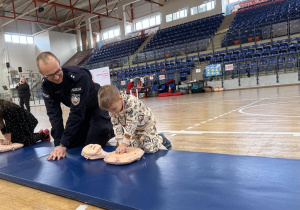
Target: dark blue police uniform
[{"x": 87, "y": 123}]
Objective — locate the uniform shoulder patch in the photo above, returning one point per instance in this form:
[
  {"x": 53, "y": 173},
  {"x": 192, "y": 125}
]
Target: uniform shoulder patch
[{"x": 75, "y": 99}]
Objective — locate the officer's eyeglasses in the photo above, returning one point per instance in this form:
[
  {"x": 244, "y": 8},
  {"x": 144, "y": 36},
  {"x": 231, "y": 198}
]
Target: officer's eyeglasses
[{"x": 51, "y": 76}]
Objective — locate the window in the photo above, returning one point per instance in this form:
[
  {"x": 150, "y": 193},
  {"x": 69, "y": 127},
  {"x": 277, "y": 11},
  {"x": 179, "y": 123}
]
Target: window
[
  {"x": 202, "y": 8},
  {"x": 232, "y": 1},
  {"x": 152, "y": 21},
  {"x": 183, "y": 13},
  {"x": 210, "y": 5},
  {"x": 194, "y": 10},
  {"x": 146, "y": 23},
  {"x": 169, "y": 18},
  {"x": 7, "y": 37},
  {"x": 128, "y": 29},
  {"x": 105, "y": 35},
  {"x": 117, "y": 32},
  {"x": 23, "y": 39},
  {"x": 157, "y": 18},
  {"x": 176, "y": 15},
  {"x": 111, "y": 34},
  {"x": 138, "y": 26},
  {"x": 98, "y": 38},
  {"x": 15, "y": 38},
  {"x": 29, "y": 40}
]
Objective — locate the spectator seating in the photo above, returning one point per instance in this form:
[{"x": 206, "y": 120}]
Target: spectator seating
[
  {"x": 116, "y": 54},
  {"x": 270, "y": 19}
]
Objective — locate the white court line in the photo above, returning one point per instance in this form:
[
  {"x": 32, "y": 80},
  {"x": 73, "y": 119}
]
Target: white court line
[
  {"x": 266, "y": 115},
  {"x": 82, "y": 207},
  {"x": 229, "y": 100},
  {"x": 232, "y": 132},
  {"x": 245, "y": 106},
  {"x": 189, "y": 128}
]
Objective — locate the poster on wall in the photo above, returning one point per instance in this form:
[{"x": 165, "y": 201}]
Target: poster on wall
[
  {"x": 228, "y": 67},
  {"x": 234, "y": 7},
  {"x": 213, "y": 70},
  {"x": 162, "y": 77},
  {"x": 101, "y": 75}
]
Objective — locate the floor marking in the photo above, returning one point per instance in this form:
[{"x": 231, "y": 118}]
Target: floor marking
[
  {"x": 233, "y": 132},
  {"x": 173, "y": 135},
  {"x": 265, "y": 115},
  {"x": 189, "y": 127},
  {"x": 82, "y": 207},
  {"x": 196, "y": 124}
]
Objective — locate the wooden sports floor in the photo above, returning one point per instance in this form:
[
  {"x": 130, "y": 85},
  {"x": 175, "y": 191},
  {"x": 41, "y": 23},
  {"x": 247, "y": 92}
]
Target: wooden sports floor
[{"x": 254, "y": 122}]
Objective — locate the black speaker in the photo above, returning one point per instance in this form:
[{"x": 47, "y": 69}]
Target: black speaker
[
  {"x": 7, "y": 65},
  {"x": 20, "y": 69}
]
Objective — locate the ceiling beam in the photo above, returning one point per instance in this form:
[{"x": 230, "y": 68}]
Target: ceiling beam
[{"x": 74, "y": 8}]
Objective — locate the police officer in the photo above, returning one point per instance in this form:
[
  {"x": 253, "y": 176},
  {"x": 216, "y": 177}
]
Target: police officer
[{"x": 72, "y": 86}]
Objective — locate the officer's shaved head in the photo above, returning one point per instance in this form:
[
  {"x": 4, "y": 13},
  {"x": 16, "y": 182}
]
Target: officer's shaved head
[{"x": 45, "y": 57}]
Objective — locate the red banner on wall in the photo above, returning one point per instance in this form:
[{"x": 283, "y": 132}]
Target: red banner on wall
[{"x": 244, "y": 4}]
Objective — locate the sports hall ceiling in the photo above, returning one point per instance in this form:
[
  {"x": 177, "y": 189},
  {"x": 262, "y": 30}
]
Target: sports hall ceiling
[{"x": 64, "y": 15}]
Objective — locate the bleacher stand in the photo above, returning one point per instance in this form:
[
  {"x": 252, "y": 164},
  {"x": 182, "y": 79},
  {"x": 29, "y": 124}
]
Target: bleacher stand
[
  {"x": 116, "y": 54},
  {"x": 261, "y": 20},
  {"x": 188, "y": 38},
  {"x": 79, "y": 58}
]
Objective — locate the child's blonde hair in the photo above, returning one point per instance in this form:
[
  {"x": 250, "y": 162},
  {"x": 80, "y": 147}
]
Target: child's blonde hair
[{"x": 107, "y": 95}]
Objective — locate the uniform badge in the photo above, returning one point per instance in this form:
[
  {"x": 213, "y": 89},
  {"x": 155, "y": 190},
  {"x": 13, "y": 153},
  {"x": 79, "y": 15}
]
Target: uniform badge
[{"x": 75, "y": 99}]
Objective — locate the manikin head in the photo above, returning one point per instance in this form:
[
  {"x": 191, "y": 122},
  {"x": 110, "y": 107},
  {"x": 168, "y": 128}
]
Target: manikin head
[
  {"x": 109, "y": 99},
  {"x": 49, "y": 67},
  {"x": 93, "y": 151}
]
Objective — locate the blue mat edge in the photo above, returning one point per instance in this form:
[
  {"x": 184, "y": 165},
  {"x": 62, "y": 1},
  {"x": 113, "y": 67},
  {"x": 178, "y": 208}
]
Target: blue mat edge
[{"x": 72, "y": 195}]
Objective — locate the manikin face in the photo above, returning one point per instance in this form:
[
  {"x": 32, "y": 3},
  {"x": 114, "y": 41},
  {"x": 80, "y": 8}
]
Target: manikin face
[
  {"x": 93, "y": 151},
  {"x": 51, "y": 69},
  {"x": 116, "y": 107}
]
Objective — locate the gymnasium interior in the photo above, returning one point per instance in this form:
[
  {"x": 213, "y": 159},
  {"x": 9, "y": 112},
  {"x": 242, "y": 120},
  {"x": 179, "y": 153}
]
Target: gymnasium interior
[{"x": 222, "y": 78}]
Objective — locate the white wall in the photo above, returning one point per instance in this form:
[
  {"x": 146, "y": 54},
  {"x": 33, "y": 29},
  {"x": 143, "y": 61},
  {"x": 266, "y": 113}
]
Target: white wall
[
  {"x": 18, "y": 27},
  {"x": 175, "y": 5},
  {"x": 142, "y": 8},
  {"x": 63, "y": 45},
  {"x": 22, "y": 55},
  {"x": 42, "y": 42}
]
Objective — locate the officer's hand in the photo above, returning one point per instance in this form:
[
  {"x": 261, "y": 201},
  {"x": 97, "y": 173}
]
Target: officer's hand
[
  {"x": 6, "y": 142},
  {"x": 58, "y": 152},
  {"x": 122, "y": 149}
]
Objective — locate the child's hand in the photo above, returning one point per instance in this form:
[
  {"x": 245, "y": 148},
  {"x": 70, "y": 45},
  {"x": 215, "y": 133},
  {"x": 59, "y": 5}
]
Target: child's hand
[{"x": 122, "y": 148}]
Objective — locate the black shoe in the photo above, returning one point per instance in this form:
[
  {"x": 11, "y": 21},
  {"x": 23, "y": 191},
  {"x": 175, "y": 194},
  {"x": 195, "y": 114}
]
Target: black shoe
[{"x": 166, "y": 142}]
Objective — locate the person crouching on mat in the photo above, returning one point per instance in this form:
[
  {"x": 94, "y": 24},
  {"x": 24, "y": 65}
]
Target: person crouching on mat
[
  {"x": 134, "y": 124},
  {"x": 17, "y": 125}
]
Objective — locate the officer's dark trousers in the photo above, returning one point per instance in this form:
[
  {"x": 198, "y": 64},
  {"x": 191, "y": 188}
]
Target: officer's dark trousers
[
  {"x": 95, "y": 129},
  {"x": 25, "y": 99}
]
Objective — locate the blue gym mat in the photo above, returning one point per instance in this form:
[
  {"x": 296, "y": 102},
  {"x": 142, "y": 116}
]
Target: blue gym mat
[
  {"x": 26, "y": 153},
  {"x": 165, "y": 180}
]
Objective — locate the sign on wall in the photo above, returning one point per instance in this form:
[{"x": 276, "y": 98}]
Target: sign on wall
[
  {"x": 162, "y": 77},
  {"x": 101, "y": 75},
  {"x": 228, "y": 67}
]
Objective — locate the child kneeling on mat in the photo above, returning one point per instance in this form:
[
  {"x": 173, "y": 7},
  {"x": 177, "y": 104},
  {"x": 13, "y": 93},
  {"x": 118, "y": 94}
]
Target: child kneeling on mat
[
  {"x": 134, "y": 124},
  {"x": 17, "y": 125}
]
